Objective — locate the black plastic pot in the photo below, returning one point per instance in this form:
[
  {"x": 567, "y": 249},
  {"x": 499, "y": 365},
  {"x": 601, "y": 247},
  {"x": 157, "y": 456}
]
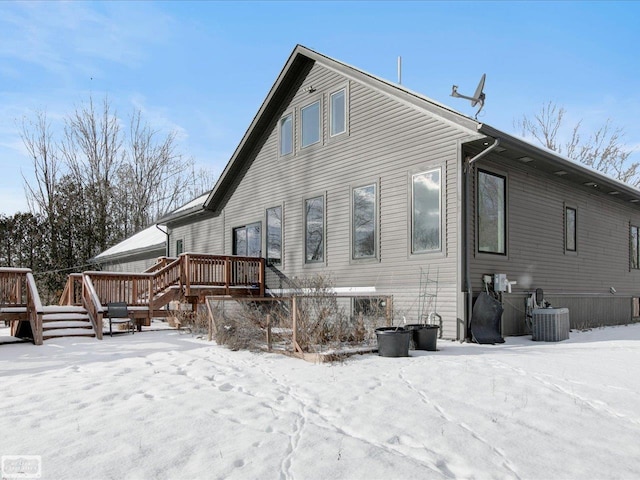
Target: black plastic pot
[
  {"x": 425, "y": 337},
  {"x": 393, "y": 341}
]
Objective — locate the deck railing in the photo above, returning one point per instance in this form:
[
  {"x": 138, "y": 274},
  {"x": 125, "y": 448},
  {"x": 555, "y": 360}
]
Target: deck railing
[
  {"x": 92, "y": 304},
  {"x": 132, "y": 288},
  {"x": 200, "y": 270},
  {"x": 166, "y": 276},
  {"x": 20, "y": 300},
  {"x": 72, "y": 293},
  {"x": 161, "y": 262}
]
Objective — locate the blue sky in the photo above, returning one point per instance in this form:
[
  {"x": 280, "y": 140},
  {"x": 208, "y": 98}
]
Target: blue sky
[{"x": 204, "y": 68}]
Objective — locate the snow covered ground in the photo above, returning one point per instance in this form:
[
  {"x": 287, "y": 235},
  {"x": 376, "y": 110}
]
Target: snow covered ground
[{"x": 167, "y": 405}]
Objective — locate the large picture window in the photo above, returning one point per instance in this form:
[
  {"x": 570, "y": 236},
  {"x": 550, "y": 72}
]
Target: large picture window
[
  {"x": 634, "y": 247},
  {"x": 286, "y": 134},
  {"x": 570, "y": 229},
  {"x": 310, "y": 124},
  {"x": 247, "y": 240},
  {"x": 274, "y": 236},
  {"x": 426, "y": 212},
  {"x": 314, "y": 230},
  {"x": 338, "y": 113},
  {"x": 364, "y": 222},
  {"x": 492, "y": 229}
]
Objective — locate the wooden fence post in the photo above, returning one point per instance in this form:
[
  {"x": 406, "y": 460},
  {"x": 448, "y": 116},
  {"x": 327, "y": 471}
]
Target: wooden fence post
[{"x": 268, "y": 331}]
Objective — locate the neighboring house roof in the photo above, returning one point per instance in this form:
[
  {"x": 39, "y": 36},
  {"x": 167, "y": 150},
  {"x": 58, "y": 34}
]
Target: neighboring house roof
[
  {"x": 151, "y": 238},
  {"x": 302, "y": 59}
]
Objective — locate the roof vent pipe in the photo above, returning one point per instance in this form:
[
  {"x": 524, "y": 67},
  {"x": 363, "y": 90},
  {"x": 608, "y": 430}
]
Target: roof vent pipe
[{"x": 467, "y": 214}]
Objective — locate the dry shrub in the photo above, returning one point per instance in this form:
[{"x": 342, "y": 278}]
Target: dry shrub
[{"x": 195, "y": 322}]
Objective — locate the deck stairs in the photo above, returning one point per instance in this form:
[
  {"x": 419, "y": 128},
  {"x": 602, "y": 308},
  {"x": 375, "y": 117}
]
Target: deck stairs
[
  {"x": 82, "y": 307},
  {"x": 66, "y": 321}
]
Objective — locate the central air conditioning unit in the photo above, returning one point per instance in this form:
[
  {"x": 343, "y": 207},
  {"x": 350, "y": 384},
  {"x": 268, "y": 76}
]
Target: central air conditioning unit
[{"x": 550, "y": 324}]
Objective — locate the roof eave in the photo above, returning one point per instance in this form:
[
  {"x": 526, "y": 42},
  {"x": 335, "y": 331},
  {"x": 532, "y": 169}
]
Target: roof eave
[{"x": 563, "y": 163}]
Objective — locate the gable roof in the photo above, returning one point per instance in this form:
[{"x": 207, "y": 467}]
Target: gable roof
[{"x": 302, "y": 59}]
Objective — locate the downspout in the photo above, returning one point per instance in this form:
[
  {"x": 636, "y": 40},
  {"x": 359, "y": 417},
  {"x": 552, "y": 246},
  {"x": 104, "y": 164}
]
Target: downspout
[
  {"x": 167, "y": 234},
  {"x": 467, "y": 214}
]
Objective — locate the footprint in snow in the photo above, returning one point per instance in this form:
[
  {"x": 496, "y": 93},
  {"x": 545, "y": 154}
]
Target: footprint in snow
[{"x": 225, "y": 387}]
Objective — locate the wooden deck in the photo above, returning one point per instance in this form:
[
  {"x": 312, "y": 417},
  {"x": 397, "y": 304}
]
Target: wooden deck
[{"x": 190, "y": 276}]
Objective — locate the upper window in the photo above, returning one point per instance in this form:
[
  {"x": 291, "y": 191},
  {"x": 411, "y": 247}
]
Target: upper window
[
  {"x": 364, "y": 222},
  {"x": 310, "y": 124},
  {"x": 247, "y": 241},
  {"x": 426, "y": 212},
  {"x": 338, "y": 113},
  {"x": 492, "y": 228},
  {"x": 314, "y": 230},
  {"x": 634, "y": 247},
  {"x": 274, "y": 236},
  {"x": 286, "y": 134},
  {"x": 570, "y": 230}
]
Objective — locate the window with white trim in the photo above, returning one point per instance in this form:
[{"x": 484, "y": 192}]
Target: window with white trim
[
  {"x": 338, "y": 112},
  {"x": 364, "y": 222},
  {"x": 314, "y": 229},
  {"x": 426, "y": 212},
  {"x": 310, "y": 124},
  {"x": 274, "y": 235},
  {"x": 286, "y": 135}
]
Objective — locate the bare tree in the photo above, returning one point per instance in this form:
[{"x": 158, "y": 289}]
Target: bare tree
[
  {"x": 92, "y": 151},
  {"x": 602, "y": 150}
]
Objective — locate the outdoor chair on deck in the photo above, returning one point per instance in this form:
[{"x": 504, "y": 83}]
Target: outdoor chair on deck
[{"x": 117, "y": 313}]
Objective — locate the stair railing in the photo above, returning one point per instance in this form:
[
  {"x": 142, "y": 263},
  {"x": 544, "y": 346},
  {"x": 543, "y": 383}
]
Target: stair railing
[
  {"x": 91, "y": 303},
  {"x": 34, "y": 308}
]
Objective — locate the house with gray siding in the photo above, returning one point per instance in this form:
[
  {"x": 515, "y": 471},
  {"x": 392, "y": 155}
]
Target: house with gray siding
[{"x": 363, "y": 181}]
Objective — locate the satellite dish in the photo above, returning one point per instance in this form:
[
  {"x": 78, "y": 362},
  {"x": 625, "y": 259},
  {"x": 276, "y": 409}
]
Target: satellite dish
[{"x": 478, "y": 96}]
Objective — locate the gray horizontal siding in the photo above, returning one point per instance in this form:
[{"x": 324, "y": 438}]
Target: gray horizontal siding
[
  {"x": 535, "y": 246},
  {"x": 387, "y": 141},
  {"x": 585, "y": 311}
]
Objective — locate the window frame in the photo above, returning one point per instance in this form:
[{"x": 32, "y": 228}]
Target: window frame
[
  {"x": 376, "y": 223},
  {"x": 567, "y": 232},
  {"x": 505, "y": 213},
  {"x": 179, "y": 246},
  {"x": 412, "y": 217},
  {"x": 323, "y": 260},
  {"x": 281, "y": 136},
  {"x": 234, "y": 247},
  {"x": 634, "y": 243},
  {"x": 345, "y": 112},
  {"x": 317, "y": 101},
  {"x": 268, "y": 261}
]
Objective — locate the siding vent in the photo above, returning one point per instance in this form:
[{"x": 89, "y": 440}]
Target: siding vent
[{"x": 560, "y": 173}]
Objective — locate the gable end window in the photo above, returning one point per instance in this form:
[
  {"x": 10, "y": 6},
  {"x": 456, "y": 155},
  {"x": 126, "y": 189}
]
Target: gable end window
[
  {"x": 338, "y": 113},
  {"x": 310, "y": 124},
  {"x": 492, "y": 213},
  {"x": 286, "y": 135},
  {"x": 314, "y": 230},
  {"x": 634, "y": 247},
  {"x": 570, "y": 229},
  {"x": 426, "y": 212},
  {"x": 364, "y": 222}
]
